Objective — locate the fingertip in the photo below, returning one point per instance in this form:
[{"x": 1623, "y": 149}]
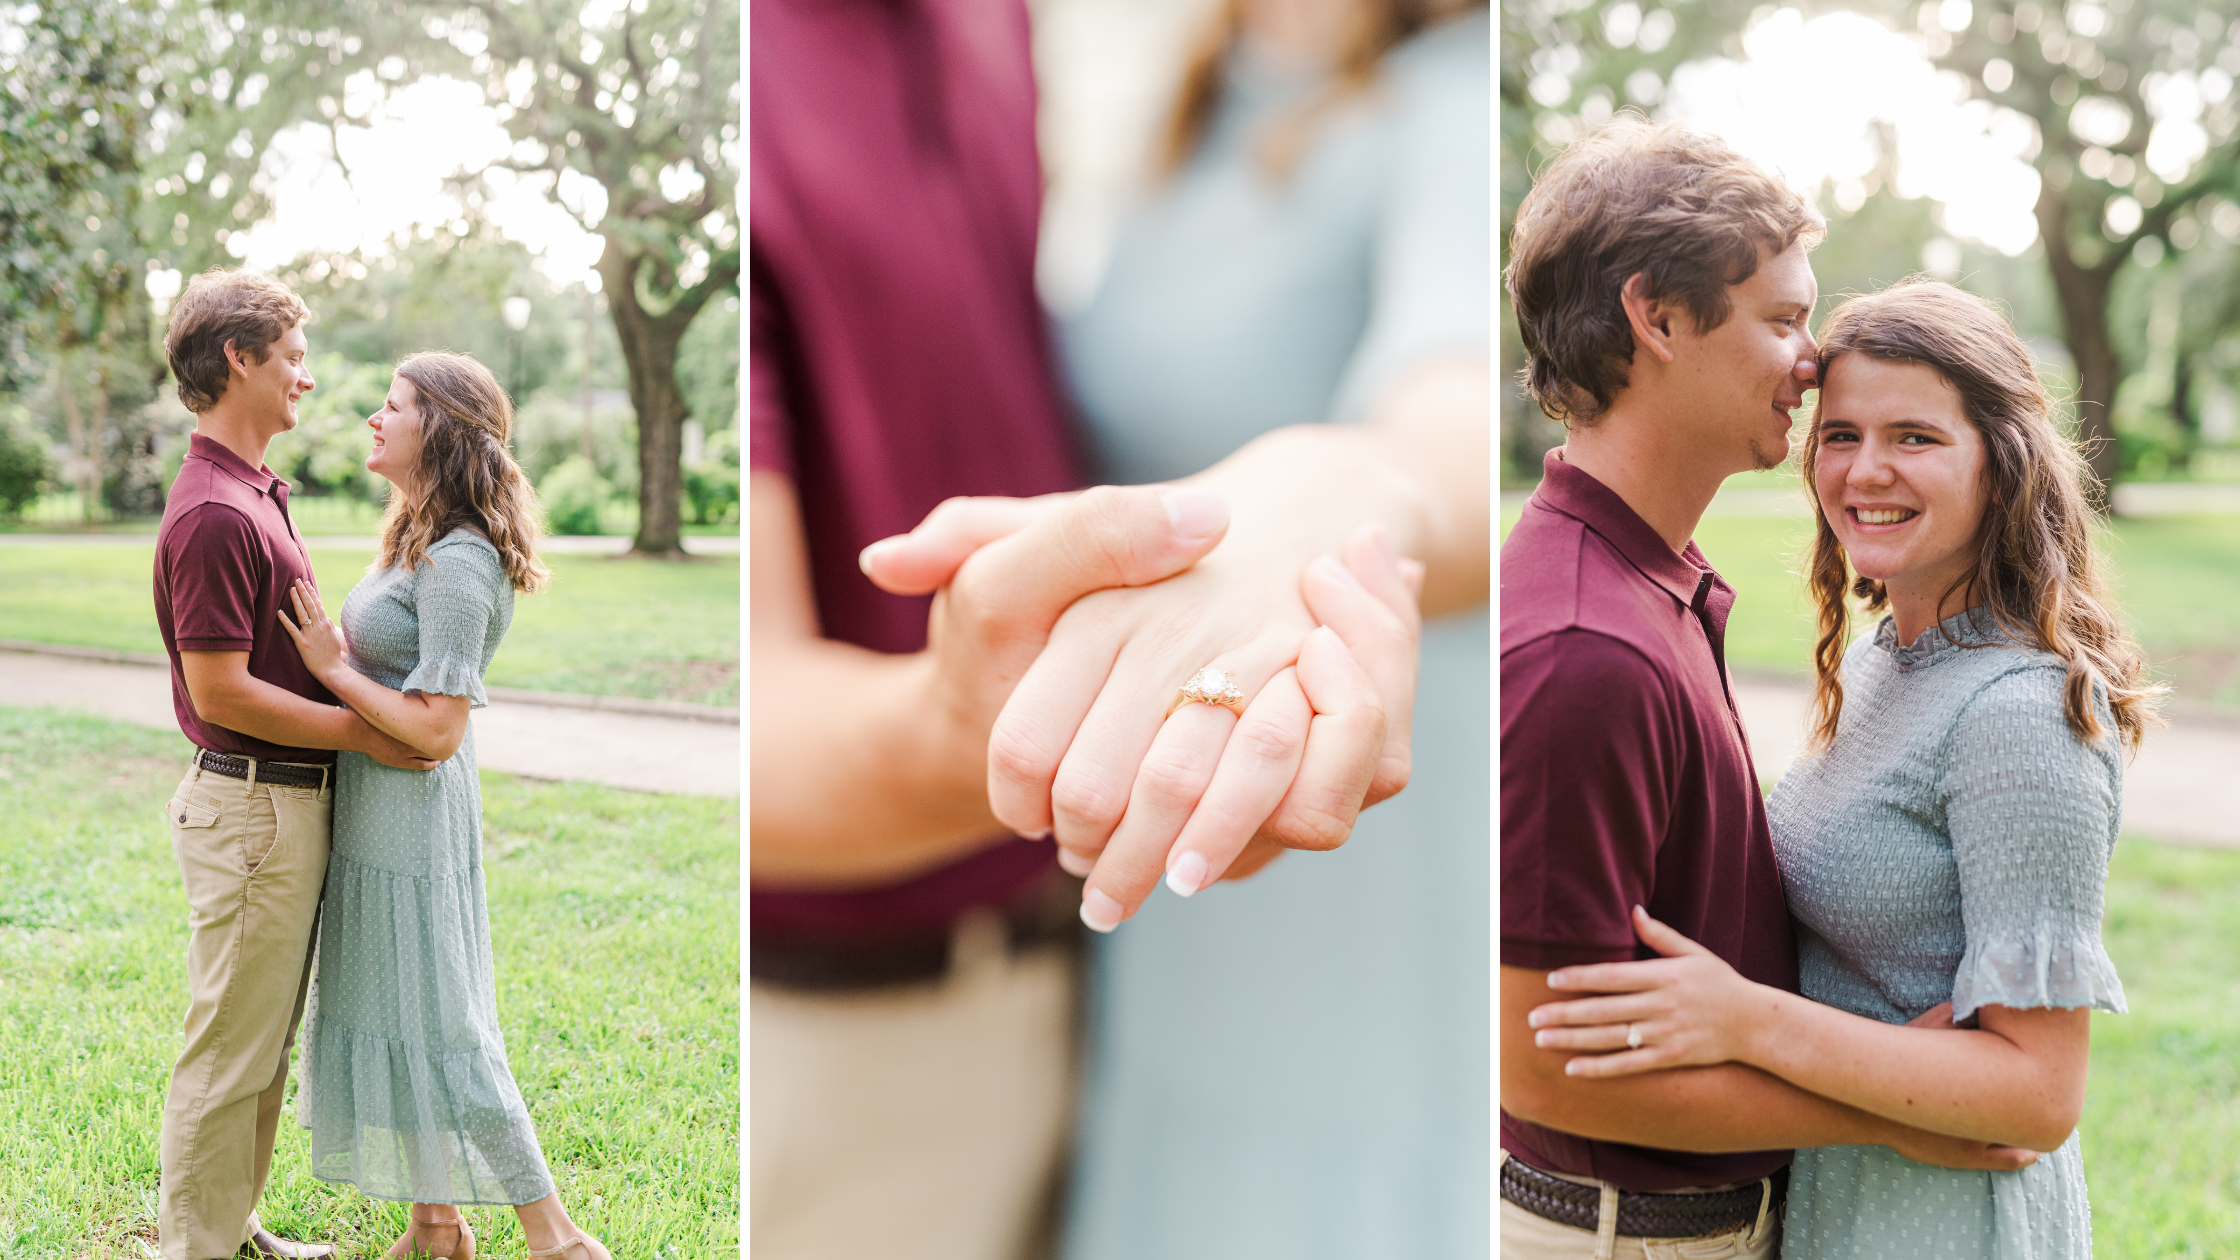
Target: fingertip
[
  {"x": 869, "y": 557},
  {"x": 1195, "y": 514}
]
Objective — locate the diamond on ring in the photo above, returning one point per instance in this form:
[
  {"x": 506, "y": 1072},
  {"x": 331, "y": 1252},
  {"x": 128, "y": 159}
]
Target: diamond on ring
[
  {"x": 1633, "y": 1036},
  {"x": 1210, "y": 686}
]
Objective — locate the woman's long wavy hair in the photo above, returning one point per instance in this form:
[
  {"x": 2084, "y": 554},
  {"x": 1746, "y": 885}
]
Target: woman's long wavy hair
[
  {"x": 1373, "y": 28},
  {"x": 2038, "y": 573},
  {"x": 466, "y": 471}
]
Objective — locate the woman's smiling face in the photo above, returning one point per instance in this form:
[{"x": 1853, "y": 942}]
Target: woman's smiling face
[
  {"x": 396, "y": 435},
  {"x": 1899, "y": 475}
]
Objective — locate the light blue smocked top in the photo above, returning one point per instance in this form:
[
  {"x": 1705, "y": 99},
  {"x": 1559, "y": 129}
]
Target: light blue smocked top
[{"x": 1951, "y": 842}]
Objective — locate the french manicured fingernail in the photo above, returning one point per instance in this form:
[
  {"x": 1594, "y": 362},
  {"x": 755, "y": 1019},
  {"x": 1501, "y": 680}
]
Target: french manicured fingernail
[
  {"x": 1043, "y": 834},
  {"x": 1100, "y": 912},
  {"x": 1335, "y": 569},
  {"x": 1194, "y": 513},
  {"x": 1075, "y": 864},
  {"x": 1188, "y": 874},
  {"x": 869, "y": 555},
  {"x": 1533, "y": 1020},
  {"x": 1540, "y": 1039}
]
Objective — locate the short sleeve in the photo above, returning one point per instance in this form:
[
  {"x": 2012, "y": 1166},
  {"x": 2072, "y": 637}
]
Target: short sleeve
[
  {"x": 213, "y": 566},
  {"x": 456, "y": 599},
  {"x": 1586, "y": 772},
  {"x": 2032, "y": 813},
  {"x": 769, "y": 418},
  {"x": 1432, "y": 291}
]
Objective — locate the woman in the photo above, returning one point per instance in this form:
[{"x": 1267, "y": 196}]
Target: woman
[
  {"x": 1947, "y": 839},
  {"x": 1316, "y": 252},
  {"x": 408, "y": 1095}
]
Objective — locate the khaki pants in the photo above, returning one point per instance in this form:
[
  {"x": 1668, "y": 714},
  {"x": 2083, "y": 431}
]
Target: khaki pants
[
  {"x": 1526, "y": 1236},
  {"x": 924, "y": 1121},
  {"x": 253, "y": 857}
]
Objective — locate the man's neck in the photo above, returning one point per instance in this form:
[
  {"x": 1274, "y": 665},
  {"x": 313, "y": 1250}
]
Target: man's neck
[
  {"x": 1664, "y": 486},
  {"x": 236, "y": 432}
]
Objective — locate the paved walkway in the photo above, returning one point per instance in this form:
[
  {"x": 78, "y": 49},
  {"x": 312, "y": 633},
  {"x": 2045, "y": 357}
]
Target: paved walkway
[
  {"x": 647, "y": 752},
  {"x": 2180, "y": 788}
]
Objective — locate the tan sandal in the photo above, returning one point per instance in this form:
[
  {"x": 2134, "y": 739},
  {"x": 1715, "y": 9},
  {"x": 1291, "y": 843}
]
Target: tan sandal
[
  {"x": 462, "y": 1246},
  {"x": 581, "y": 1247}
]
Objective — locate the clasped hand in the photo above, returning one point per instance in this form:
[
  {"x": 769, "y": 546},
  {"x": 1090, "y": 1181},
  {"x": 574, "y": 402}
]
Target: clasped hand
[{"x": 1081, "y": 745}]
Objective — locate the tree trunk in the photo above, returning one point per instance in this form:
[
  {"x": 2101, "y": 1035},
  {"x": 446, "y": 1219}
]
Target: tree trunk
[
  {"x": 649, "y": 350},
  {"x": 83, "y": 452},
  {"x": 2082, "y": 292}
]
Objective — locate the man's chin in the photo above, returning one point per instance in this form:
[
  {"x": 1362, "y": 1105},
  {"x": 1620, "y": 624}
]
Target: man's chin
[{"x": 1770, "y": 455}]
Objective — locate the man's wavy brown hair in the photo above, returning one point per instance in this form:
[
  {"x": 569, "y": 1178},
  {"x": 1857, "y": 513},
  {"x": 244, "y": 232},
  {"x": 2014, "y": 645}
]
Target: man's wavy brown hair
[
  {"x": 2038, "y": 575},
  {"x": 1630, "y": 197},
  {"x": 467, "y": 473},
  {"x": 242, "y": 307}
]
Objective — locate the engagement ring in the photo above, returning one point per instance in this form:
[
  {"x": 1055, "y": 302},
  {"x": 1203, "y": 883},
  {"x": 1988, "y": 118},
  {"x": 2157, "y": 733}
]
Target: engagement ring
[
  {"x": 1210, "y": 686},
  {"x": 1633, "y": 1036}
]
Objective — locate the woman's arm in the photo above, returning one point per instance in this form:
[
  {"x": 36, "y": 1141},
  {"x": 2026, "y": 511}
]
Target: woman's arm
[
  {"x": 434, "y": 724},
  {"x": 2017, "y": 1080}
]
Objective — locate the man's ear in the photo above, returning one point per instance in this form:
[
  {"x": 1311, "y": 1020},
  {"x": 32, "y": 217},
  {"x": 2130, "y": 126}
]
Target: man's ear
[
  {"x": 235, "y": 360},
  {"x": 1652, "y": 318}
]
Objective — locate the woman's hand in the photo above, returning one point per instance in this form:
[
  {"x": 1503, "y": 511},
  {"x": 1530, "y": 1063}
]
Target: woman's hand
[
  {"x": 1687, "y": 1009},
  {"x": 1324, "y": 734},
  {"x": 316, "y": 637}
]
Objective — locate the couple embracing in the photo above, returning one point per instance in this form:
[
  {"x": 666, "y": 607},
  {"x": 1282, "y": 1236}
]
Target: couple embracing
[
  {"x": 1887, "y": 967},
  {"x": 332, "y": 810}
]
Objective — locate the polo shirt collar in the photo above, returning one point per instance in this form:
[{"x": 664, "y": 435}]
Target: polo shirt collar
[
  {"x": 1564, "y": 488},
  {"x": 261, "y": 480}
]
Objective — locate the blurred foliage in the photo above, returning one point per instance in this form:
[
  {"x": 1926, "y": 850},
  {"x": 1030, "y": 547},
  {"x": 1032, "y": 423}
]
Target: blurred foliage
[
  {"x": 2096, "y": 84},
  {"x": 23, "y": 461},
  {"x": 573, "y": 495},
  {"x": 711, "y": 486},
  {"x": 553, "y": 428}
]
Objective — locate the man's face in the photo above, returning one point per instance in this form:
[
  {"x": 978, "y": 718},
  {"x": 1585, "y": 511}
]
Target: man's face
[
  {"x": 271, "y": 388},
  {"x": 1735, "y": 385}
]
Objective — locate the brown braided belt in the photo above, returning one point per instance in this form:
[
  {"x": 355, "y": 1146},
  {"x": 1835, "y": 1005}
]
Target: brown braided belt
[
  {"x": 1640, "y": 1215},
  {"x": 276, "y": 773}
]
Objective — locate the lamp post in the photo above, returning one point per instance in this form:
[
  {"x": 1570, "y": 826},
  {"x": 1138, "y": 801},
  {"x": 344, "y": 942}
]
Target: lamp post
[{"x": 516, "y": 311}]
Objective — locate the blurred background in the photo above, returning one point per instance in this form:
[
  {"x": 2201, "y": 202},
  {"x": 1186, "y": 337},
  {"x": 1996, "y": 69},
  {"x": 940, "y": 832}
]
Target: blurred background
[{"x": 2079, "y": 164}]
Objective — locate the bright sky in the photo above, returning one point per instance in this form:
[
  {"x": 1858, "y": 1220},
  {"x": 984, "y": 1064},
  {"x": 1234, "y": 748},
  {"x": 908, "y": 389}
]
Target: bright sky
[
  {"x": 397, "y": 155},
  {"x": 1807, "y": 95}
]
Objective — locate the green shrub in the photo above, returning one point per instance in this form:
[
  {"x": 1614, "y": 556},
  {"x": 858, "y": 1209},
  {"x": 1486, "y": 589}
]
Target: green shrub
[
  {"x": 23, "y": 462},
  {"x": 572, "y": 495},
  {"x": 711, "y": 486}
]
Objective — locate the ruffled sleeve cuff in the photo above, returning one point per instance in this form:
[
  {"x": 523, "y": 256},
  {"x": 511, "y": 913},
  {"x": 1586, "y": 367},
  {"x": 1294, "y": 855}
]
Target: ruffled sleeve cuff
[
  {"x": 447, "y": 676},
  {"x": 2047, "y": 969}
]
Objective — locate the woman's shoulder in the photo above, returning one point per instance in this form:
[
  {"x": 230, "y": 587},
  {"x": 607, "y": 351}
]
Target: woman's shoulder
[{"x": 1457, "y": 51}]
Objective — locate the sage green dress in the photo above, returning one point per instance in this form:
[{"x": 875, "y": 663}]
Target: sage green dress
[{"x": 406, "y": 1091}]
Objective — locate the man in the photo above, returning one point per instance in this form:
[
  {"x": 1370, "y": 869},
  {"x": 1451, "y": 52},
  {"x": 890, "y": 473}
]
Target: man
[
  {"x": 1662, "y": 292},
  {"x": 249, "y": 823}
]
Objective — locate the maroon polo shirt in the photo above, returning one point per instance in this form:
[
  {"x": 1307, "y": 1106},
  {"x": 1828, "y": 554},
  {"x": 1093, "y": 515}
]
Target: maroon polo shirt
[
  {"x": 226, "y": 554},
  {"x": 898, "y": 353},
  {"x": 1625, "y": 780}
]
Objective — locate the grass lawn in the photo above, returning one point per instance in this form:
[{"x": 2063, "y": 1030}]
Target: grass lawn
[
  {"x": 606, "y": 626},
  {"x": 2162, "y": 1114},
  {"x": 2178, "y": 581},
  {"x": 630, "y": 1070}
]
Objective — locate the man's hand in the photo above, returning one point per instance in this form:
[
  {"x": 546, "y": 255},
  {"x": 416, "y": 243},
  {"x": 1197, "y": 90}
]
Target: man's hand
[
  {"x": 1924, "y": 1147},
  {"x": 390, "y": 752}
]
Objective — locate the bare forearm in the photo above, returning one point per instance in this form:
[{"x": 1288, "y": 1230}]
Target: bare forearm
[
  {"x": 1423, "y": 480},
  {"x": 1973, "y": 1083},
  {"x": 436, "y": 727},
  {"x": 276, "y": 715},
  {"x": 856, "y": 774},
  {"x": 1724, "y": 1108}
]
